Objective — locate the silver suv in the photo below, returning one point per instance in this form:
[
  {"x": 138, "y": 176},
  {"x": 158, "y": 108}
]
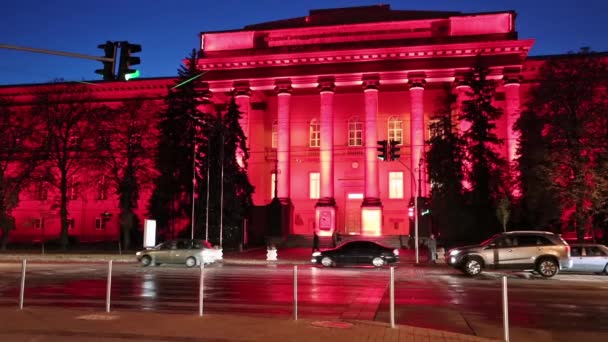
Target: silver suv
[{"x": 543, "y": 252}]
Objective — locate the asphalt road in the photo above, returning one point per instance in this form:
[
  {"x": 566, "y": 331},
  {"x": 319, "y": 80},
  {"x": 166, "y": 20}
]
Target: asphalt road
[{"x": 432, "y": 297}]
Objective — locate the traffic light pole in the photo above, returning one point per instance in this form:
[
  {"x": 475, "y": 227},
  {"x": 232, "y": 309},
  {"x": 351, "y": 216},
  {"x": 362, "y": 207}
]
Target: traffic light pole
[
  {"x": 415, "y": 210},
  {"x": 54, "y": 52}
]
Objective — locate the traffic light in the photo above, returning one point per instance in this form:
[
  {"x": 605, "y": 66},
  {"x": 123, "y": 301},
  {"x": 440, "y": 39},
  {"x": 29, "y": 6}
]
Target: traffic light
[
  {"x": 127, "y": 61},
  {"x": 394, "y": 150},
  {"x": 383, "y": 149},
  {"x": 109, "y": 49}
]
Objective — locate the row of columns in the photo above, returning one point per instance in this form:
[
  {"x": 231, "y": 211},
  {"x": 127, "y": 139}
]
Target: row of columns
[{"x": 325, "y": 207}]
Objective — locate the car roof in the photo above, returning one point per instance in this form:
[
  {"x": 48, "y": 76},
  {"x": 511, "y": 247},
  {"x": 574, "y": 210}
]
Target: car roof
[{"x": 529, "y": 232}]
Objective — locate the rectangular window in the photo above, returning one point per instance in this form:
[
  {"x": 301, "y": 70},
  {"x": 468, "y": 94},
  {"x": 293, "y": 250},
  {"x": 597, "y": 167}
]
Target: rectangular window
[
  {"x": 102, "y": 188},
  {"x": 395, "y": 130},
  {"x": 315, "y": 134},
  {"x": 42, "y": 192},
  {"x": 355, "y": 133},
  {"x": 275, "y": 135},
  {"x": 314, "y": 185},
  {"x": 273, "y": 183},
  {"x": 100, "y": 223},
  {"x": 395, "y": 187},
  {"x": 38, "y": 223},
  {"x": 71, "y": 223},
  {"x": 72, "y": 189}
]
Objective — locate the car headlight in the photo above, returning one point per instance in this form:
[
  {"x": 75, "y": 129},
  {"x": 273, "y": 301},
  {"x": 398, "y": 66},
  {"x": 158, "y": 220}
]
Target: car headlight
[
  {"x": 138, "y": 254},
  {"x": 454, "y": 252},
  {"x": 316, "y": 254}
]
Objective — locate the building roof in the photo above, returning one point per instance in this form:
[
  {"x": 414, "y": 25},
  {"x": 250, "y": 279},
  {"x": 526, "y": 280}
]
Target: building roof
[{"x": 350, "y": 15}]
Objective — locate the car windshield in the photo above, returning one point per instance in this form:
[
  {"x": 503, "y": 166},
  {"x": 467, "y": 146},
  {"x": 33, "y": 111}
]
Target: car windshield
[{"x": 489, "y": 241}]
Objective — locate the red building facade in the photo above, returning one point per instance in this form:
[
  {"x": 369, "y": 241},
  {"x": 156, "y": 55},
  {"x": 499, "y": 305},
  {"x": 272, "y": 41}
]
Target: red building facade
[{"x": 317, "y": 93}]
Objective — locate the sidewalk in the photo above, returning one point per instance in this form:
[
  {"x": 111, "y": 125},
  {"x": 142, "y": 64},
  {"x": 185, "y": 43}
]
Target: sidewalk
[{"x": 55, "y": 325}]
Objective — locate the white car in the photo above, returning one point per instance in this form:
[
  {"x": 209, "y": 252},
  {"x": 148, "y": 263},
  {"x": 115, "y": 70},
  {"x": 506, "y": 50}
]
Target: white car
[
  {"x": 183, "y": 251},
  {"x": 588, "y": 257}
]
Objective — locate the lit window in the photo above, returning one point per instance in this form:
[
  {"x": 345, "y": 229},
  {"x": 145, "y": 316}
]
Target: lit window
[
  {"x": 435, "y": 129},
  {"x": 395, "y": 184},
  {"x": 315, "y": 133},
  {"x": 273, "y": 183},
  {"x": 275, "y": 135},
  {"x": 355, "y": 132},
  {"x": 395, "y": 130},
  {"x": 314, "y": 185}
]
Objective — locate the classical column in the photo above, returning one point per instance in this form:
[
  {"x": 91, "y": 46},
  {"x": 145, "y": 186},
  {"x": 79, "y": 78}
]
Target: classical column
[
  {"x": 283, "y": 89},
  {"x": 371, "y": 208},
  {"x": 417, "y": 132},
  {"x": 511, "y": 84},
  {"x": 325, "y": 207},
  {"x": 462, "y": 89},
  {"x": 370, "y": 91},
  {"x": 242, "y": 97}
]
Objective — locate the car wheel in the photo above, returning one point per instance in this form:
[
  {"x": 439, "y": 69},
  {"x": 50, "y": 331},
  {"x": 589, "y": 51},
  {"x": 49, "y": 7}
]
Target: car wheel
[
  {"x": 327, "y": 262},
  {"x": 472, "y": 267},
  {"x": 191, "y": 262},
  {"x": 378, "y": 262},
  {"x": 547, "y": 267},
  {"x": 146, "y": 261}
]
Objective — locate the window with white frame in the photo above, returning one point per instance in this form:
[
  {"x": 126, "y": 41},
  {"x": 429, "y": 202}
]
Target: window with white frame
[
  {"x": 355, "y": 132},
  {"x": 395, "y": 184},
  {"x": 275, "y": 134},
  {"x": 314, "y": 185},
  {"x": 315, "y": 133},
  {"x": 435, "y": 129},
  {"x": 395, "y": 129}
]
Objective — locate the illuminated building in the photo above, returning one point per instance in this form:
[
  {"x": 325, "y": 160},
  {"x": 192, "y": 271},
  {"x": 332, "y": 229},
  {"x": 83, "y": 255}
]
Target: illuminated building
[{"x": 317, "y": 93}]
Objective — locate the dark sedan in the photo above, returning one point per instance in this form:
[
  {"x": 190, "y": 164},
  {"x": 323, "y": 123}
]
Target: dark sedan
[{"x": 357, "y": 253}]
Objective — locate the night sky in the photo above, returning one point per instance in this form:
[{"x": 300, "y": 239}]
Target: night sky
[{"x": 168, "y": 30}]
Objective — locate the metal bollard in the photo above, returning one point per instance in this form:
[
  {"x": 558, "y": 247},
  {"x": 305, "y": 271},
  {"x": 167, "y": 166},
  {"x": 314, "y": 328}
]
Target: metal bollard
[
  {"x": 505, "y": 309},
  {"x": 201, "y": 290},
  {"x": 109, "y": 288},
  {"x": 22, "y": 292},
  {"x": 392, "y": 297},
  {"x": 295, "y": 292}
]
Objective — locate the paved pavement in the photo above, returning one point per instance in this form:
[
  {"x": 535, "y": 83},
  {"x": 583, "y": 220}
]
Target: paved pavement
[
  {"x": 63, "y": 324},
  {"x": 54, "y": 325}
]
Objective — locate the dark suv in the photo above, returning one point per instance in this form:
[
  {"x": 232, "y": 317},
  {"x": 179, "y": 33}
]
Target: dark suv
[{"x": 543, "y": 252}]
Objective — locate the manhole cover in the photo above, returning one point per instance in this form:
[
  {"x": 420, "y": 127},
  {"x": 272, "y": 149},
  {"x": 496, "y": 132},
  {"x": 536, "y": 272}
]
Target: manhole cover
[
  {"x": 332, "y": 324},
  {"x": 97, "y": 317}
]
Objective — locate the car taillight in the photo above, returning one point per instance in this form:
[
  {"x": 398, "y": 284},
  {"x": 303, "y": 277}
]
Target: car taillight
[
  {"x": 396, "y": 252},
  {"x": 568, "y": 250}
]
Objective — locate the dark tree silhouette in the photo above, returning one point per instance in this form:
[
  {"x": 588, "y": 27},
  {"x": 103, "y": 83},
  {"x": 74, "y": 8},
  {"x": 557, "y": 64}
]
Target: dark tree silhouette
[{"x": 19, "y": 155}]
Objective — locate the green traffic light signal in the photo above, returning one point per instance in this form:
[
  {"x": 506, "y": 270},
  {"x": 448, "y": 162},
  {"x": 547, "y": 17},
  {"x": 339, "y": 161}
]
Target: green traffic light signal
[{"x": 125, "y": 72}]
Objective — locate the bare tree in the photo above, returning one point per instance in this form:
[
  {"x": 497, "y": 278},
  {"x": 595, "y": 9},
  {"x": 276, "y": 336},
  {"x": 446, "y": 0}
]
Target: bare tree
[
  {"x": 71, "y": 122},
  {"x": 19, "y": 147},
  {"x": 128, "y": 143}
]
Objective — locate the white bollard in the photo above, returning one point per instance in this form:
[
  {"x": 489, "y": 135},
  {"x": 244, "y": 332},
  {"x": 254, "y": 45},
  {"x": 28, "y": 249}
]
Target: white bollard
[
  {"x": 295, "y": 292},
  {"x": 109, "y": 288},
  {"x": 271, "y": 254},
  {"x": 505, "y": 308},
  {"x": 392, "y": 297},
  {"x": 200, "y": 290},
  {"x": 21, "y": 294}
]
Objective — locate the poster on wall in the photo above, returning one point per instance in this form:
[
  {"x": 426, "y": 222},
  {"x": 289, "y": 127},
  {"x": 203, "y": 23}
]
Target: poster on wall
[
  {"x": 325, "y": 220},
  {"x": 149, "y": 233}
]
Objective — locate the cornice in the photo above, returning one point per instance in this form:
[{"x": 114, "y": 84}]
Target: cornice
[{"x": 520, "y": 47}]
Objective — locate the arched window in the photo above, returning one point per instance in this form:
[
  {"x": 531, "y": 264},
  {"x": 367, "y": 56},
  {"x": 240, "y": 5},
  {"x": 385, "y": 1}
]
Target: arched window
[
  {"x": 355, "y": 132},
  {"x": 395, "y": 129},
  {"x": 315, "y": 133},
  {"x": 275, "y": 134}
]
